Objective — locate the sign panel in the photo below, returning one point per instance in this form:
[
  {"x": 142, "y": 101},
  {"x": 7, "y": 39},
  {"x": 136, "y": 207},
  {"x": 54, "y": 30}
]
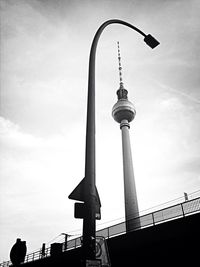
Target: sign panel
[{"x": 102, "y": 251}]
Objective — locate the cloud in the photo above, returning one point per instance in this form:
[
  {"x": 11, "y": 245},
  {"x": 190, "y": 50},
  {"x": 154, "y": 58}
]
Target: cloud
[
  {"x": 29, "y": 161},
  {"x": 179, "y": 92},
  {"x": 36, "y": 177},
  {"x": 38, "y": 62},
  {"x": 12, "y": 136}
]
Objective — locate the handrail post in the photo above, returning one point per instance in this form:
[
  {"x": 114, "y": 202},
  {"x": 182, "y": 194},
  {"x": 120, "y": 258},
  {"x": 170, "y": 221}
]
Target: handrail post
[
  {"x": 153, "y": 218},
  {"x": 182, "y": 209}
]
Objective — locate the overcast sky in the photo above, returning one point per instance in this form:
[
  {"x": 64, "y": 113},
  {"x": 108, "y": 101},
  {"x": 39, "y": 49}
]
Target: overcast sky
[{"x": 45, "y": 47}]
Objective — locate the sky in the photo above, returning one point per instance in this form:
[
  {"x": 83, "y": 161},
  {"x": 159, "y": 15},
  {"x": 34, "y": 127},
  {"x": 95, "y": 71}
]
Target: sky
[{"x": 45, "y": 46}]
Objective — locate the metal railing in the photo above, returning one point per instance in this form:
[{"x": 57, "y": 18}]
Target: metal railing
[{"x": 170, "y": 213}]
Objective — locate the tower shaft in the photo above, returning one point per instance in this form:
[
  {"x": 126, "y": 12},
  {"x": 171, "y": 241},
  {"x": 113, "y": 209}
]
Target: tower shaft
[
  {"x": 124, "y": 112},
  {"x": 130, "y": 195}
]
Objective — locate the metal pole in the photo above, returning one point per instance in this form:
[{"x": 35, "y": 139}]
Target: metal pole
[{"x": 89, "y": 220}]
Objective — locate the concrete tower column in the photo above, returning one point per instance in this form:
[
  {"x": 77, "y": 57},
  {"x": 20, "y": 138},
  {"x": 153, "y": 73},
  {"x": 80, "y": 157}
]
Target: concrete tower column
[{"x": 130, "y": 194}]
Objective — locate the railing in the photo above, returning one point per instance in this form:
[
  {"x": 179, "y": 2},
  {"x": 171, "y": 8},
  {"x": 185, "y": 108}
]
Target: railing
[{"x": 170, "y": 213}]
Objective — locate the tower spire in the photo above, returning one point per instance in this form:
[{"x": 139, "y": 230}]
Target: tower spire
[
  {"x": 120, "y": 67},
  {"x": 122, "y": 92}
]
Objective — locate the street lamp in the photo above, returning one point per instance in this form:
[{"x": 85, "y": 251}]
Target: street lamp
[{"x": 86, "y": 191}]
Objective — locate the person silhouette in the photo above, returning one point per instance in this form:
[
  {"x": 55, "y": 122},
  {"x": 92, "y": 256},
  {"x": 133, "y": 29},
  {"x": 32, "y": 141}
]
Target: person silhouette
[{"x": 18, "y": 252}]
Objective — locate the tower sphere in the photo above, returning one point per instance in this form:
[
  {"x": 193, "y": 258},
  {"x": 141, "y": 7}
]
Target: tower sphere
[{"x": 123, "y": 110}]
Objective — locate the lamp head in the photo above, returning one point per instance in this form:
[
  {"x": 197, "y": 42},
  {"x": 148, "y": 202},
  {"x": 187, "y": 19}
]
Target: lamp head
[{"x": 151, "y": 41}]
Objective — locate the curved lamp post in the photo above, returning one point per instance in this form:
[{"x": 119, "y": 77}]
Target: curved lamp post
[{"x": 86, "y": 191}]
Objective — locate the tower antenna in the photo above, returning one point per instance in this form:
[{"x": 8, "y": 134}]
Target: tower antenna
[{"x": 120, "y": 67}]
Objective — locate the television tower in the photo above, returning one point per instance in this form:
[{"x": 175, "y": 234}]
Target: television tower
[{"x": 124, "y": 112}]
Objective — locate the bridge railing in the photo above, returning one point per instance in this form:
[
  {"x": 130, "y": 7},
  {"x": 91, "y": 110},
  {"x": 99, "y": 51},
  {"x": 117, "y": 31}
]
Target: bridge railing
[
  {"x": 153, "y": 218},
  {"x": 170, "y": 213}
]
